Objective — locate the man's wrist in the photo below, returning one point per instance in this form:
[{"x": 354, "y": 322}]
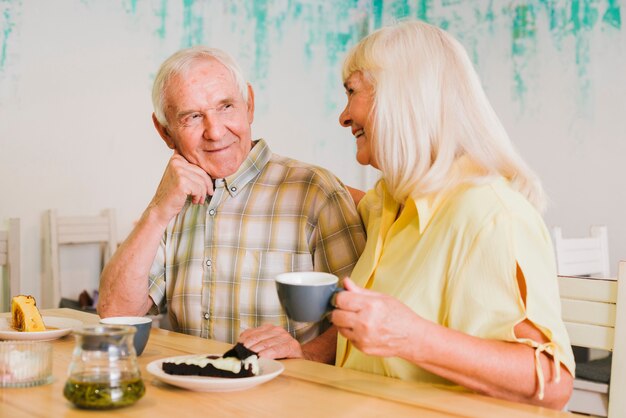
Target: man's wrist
[
  {"x": 321, "y": 349},
  {"x": 154, "y": 216},
  {"x": 306, "y": 354}
]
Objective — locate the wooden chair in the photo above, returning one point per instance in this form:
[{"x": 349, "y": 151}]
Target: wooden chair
[
  {"x": 587, "y": 256},
  {"x": 74, "y": 230},
  {"x": 10, "y": 256},
  {"x": 594, "y": 312}
]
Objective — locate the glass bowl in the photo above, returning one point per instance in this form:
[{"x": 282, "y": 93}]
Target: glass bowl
[{"x": 25, "y": 363}]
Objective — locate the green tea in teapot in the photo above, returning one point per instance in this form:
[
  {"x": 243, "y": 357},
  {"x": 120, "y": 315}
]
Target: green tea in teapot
[
  {"x": 88, "y": 394},
  {"x": 104, "y": 372}
]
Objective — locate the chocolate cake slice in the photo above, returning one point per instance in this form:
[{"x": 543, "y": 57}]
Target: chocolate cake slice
[{"x": 236, "y": 362}]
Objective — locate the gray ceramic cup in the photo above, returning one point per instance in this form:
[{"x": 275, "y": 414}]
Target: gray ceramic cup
[
  {"x": 307, "y": 296},
  {"x": 141, "y": 323}
]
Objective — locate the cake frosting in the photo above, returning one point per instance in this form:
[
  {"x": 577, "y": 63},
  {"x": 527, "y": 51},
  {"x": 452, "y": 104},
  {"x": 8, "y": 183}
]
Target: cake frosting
[
  {"x": 237, "y": 362},
  {"x": 25, "y": 315}
]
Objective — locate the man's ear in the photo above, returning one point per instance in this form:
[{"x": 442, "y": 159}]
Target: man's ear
[
  {"x": 250, "y": 104},
  {"x": 165, "y": 134}
]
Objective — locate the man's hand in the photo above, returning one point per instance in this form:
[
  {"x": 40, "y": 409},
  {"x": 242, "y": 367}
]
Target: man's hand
[
  {"x": 271, "y": 341},
  {"x": 180, "y": 179}
]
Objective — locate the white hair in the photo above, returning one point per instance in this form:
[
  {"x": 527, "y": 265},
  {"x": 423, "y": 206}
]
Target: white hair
[
  {"x": 179, "y": 63},
  {"x": 429, "y": 110}
]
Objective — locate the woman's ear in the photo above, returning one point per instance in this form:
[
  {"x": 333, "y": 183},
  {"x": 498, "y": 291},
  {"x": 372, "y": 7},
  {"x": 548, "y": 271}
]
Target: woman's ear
[{"x": 163, "y": 131}]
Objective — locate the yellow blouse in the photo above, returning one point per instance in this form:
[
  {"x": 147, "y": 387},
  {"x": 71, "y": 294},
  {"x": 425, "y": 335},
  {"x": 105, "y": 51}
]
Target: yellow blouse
[{"x": 452, "y": 259}]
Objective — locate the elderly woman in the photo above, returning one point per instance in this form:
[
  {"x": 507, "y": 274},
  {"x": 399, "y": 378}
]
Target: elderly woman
[{"x": 457, "y": 283}]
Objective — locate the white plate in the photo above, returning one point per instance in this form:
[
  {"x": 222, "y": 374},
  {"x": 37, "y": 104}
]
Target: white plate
[
  {"x": 269, "y": 369},
  {"x": 63, "y": 326}
]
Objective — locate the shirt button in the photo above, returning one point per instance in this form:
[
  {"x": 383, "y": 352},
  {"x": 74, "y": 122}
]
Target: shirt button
[
  {"x": 208, "y": 262},
  {"x": 233, "y": 189},
  {"x": 212, "y": 212},
  {"x": 206, "y": 315}
]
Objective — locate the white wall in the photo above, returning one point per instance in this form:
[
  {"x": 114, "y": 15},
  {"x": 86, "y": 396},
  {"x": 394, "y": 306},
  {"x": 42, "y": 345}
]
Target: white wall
[{"x": 75, "y": 79}]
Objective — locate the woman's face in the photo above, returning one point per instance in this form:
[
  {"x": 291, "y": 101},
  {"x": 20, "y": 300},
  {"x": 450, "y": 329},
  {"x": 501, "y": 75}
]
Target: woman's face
[{"x": 356, "y": 116}]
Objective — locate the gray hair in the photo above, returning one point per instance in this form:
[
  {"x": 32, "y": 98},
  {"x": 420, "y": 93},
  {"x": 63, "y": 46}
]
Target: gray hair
[{"x": 179, "y": 63}]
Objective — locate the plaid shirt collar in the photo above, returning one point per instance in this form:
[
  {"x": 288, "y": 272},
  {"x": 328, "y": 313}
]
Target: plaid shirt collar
[{"x": 257, "y": 159}]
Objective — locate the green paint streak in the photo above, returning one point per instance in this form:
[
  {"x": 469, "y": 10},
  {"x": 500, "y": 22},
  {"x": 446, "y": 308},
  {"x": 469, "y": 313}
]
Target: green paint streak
[
  {"x": 400, "y": 9},
  {"x": 523, "y": 39},
  {"x": 187, "y": 21},
  {"x": 330, "y": 28},
  {"x": 423, "y": 6},
  {"x": 612, "y": 16},
  {"x": 309, "y": 21},
  {"x": 524, "y": 29},
  {"x": 297, "y": 11},
  {"x": 130, "y": 6},
  {"x": 519, "y": 85},
  {"x": 261, "y": 55},
  {"x": 590, "y": 15},
  {"x": 8, "y": 25},
  {"x": 582, "y": 61},
  {"x": 573, "y": 19},
  {"x": 193, "y": 24},
  {"x": 575, "y": 16},
  {"x": 490, "y": 16},
  {"x": 557, "y": 16},
  {"x": 234, "y": 11},
  {"x": 162, "y": 15},
  {"x": 282, "y": 17},
  {"x": 484, "y": 19},
  {"x": 377, "y": 11}
]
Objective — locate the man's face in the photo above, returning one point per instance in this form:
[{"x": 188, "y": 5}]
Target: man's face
[{"x": 208, "y": 120}]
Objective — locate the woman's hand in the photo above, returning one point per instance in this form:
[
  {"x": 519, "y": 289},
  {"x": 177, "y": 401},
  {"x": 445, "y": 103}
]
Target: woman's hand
[{"x": 375, "y": 323}]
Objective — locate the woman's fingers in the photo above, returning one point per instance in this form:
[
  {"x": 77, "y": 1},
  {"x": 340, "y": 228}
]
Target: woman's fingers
[
  {"x": 344, "y": 319},
  {"x": 348, "y": 333},
  {"x": 348, "y": 284},
  {"x": 354, "y": 298}
]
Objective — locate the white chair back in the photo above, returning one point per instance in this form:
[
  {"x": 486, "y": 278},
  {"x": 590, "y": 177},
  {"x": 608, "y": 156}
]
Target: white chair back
[
  {"x": 594, "y": 312},
  {"x": 587, "y": 256},
  {"x": 75, "y": 230},
  {"x": 10, "y": 257}
]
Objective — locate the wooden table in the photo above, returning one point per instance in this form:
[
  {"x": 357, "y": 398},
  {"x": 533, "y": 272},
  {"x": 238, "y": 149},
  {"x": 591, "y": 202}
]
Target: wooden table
[{"x": 304, "y": 389}]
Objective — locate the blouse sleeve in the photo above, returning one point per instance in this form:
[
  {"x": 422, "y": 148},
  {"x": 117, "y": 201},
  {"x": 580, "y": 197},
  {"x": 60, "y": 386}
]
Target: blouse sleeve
[{"x": 483, "y": 297}]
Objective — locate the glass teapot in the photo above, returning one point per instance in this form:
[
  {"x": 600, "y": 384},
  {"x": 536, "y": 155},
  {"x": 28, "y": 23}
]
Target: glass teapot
[{"x": 104, "y": 373}]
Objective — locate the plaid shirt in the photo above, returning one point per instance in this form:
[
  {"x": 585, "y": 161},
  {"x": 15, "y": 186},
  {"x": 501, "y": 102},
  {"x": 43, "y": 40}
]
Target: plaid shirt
[{"x": 217, "y": 262}]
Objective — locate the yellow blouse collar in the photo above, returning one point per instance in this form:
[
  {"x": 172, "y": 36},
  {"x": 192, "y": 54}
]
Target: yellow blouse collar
[{"x": 426, "y": 206}]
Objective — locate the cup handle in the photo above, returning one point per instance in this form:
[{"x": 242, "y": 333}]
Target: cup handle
[
  {"x": 331, "y": 303},
  {"x": 333, "y": 296}
]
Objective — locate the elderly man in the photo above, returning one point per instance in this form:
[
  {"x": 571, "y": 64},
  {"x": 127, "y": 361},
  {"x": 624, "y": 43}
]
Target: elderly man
[{"x": 227, "y": 216}]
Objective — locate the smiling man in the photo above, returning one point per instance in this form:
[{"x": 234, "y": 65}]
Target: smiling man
[{"x": 226, "y": 218}]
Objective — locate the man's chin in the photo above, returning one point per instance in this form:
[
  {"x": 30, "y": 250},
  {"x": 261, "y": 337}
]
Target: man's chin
[{"x": 221, "y": 171}]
